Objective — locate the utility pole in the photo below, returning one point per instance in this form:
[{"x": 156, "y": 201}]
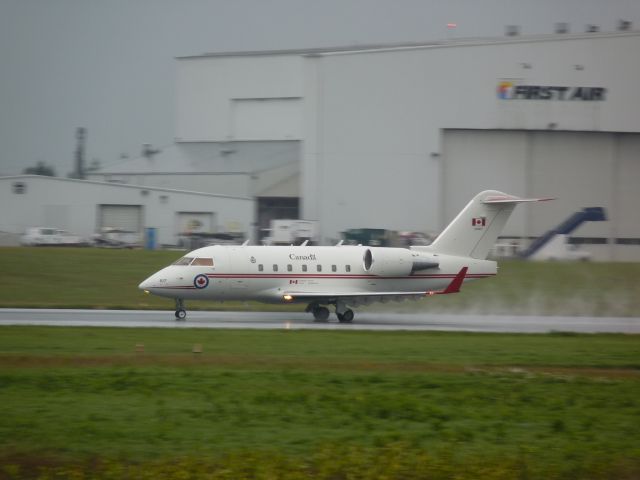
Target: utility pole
[{"x": 81, "y": 136}]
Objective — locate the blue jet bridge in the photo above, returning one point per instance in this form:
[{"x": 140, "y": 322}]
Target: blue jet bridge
[{"x": 589, "y": 214}]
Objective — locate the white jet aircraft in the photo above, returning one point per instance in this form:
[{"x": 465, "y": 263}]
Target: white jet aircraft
[{"x": 342, "y": 276}]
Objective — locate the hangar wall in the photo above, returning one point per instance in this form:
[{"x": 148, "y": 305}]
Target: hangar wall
[
  {"x": 53, "y": 202},
  {"x": 378, "y": 123},
  {"x": 241, "y": 97},
  {"x": 228, "y": 168}
]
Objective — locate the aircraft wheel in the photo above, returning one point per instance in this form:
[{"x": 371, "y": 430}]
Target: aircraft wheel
[
  {"x": 321, "y": 314},
  {"x": 346, "y": 316},
  {"x": 181, "y": 314}
]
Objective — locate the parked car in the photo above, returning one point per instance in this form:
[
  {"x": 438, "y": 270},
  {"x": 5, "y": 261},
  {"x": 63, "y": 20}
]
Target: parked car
[
  {"x": 46, "y": 236},
  {"x": 116, "y": 238}
]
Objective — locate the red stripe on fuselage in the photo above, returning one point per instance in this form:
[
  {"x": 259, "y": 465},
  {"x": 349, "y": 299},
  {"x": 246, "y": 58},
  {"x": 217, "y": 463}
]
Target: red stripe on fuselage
[
  {"x": 342, "y": 276},
  {"x": 183, "y": 287}
]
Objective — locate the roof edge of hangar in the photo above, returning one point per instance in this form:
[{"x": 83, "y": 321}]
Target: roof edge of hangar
[
  {"x": 124, "y": 185},
  {"x": 468, "y": 41}
]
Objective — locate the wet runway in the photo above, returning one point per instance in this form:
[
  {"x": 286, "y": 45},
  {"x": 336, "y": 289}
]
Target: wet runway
[{"x": 299, "y": 321}]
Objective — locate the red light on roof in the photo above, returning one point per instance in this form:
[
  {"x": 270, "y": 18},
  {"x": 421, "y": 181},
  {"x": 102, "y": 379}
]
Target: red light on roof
[{"x": 451, "y": 25}]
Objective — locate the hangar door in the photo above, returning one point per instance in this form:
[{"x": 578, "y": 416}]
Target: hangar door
[
  {"x": 120, "y": 217},
  {"x": 477, "y": 160},
  {"x": 581, "y": 169},
  {"x": 627, "y": 180},
  {"x": 578, "y": 169}
]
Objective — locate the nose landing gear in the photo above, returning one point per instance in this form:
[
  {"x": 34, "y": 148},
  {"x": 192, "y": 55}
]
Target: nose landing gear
[{"x": 181, "y": 313}]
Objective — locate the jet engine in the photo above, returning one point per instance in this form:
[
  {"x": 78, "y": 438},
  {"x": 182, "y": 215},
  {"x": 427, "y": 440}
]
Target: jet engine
[
  {"x": 396, "y": 262},
  {"x": 387, "y": 261}
]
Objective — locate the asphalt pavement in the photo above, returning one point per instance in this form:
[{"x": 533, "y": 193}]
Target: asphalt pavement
[{"x": 299, "y": 321}]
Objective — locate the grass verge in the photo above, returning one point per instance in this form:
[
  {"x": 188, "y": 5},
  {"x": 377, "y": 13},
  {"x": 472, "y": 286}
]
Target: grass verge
[
  {"x": 99, "y": 278},
  {"x": 81, "y": 403}
]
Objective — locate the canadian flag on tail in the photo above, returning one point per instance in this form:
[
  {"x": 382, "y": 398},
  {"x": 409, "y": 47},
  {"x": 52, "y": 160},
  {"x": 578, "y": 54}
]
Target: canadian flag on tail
[{"x": 478, "y": 221}]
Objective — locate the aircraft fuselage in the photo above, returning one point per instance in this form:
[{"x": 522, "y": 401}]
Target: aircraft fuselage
[
  {"x": 343, "y": 276},
  {"x": 267, "y": 274}
]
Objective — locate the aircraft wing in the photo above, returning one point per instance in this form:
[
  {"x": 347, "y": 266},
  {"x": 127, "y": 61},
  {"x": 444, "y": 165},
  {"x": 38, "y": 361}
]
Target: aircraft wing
[
  {"x": 335, "y": 295},
  {"x": 372, "y": 296}
]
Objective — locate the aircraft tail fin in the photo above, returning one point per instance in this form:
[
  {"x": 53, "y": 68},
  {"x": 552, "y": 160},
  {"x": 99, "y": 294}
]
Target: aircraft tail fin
[{"x": 476, "y": 228}]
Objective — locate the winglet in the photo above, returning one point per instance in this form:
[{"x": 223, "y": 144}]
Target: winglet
[{"x": 456, "y": 283}]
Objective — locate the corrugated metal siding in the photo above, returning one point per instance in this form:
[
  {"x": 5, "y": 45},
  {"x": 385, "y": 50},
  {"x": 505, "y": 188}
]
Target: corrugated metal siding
[{"x": 122, "y": 217}]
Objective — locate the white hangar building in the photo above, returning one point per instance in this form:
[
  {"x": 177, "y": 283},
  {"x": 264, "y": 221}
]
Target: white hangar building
[
  {"x": 86, "y": 207},
  {"x": 401, "y": 137}
]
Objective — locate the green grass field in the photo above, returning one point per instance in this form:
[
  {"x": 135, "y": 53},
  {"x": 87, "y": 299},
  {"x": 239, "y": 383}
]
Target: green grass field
[
  {"x": 82, "y": 403},
  {"x": 96, "y": 278}
]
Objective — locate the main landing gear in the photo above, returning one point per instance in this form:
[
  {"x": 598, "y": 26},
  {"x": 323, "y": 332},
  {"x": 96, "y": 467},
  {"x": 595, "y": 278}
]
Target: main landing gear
[
  {"x": 181, "y": 313},
  {"x": 321, "y": 314},
  {"x": 346, "y": 316}
]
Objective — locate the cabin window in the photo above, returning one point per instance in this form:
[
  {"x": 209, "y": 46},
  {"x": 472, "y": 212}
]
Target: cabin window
[
  {"x": 203, "y": 262},
  {"x": 183, "y": 261},
  {"x": 289, "y": 268},
  {"x": 260, "y": 267},
  {"x": 334, "y": 268},
  {"x": 319, "y": 268},
  {"x": 275, "y": 267},
  {"x": 304, "y": 268},
  {"x": 347, "y": 268}
]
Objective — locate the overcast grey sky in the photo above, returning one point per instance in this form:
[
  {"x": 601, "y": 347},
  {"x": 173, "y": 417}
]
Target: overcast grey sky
[{"x": 108, "y": 65}]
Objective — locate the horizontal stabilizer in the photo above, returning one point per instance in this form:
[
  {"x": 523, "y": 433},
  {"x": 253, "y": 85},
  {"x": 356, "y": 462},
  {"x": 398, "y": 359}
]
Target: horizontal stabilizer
[{"x": 512, "y": 199}]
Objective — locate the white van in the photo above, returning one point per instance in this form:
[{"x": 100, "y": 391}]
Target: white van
[{"x": 43, "y": 236}]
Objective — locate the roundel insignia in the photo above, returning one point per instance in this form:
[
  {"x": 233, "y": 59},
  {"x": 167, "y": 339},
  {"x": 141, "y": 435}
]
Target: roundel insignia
[{"x": 200, "y": 281}]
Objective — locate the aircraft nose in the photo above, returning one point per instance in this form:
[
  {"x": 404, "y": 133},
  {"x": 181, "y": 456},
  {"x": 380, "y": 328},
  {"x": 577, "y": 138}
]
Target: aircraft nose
[
  {"x": 154, "y": 281},
  {"x": 148, "y": 283},
  {"x": 145, "y": 284}
]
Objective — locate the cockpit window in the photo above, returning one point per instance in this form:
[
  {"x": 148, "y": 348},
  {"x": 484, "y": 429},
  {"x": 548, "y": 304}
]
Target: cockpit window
[
  {"x": 202, "y": 261},
  {"x": 183, "y": 261}
]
